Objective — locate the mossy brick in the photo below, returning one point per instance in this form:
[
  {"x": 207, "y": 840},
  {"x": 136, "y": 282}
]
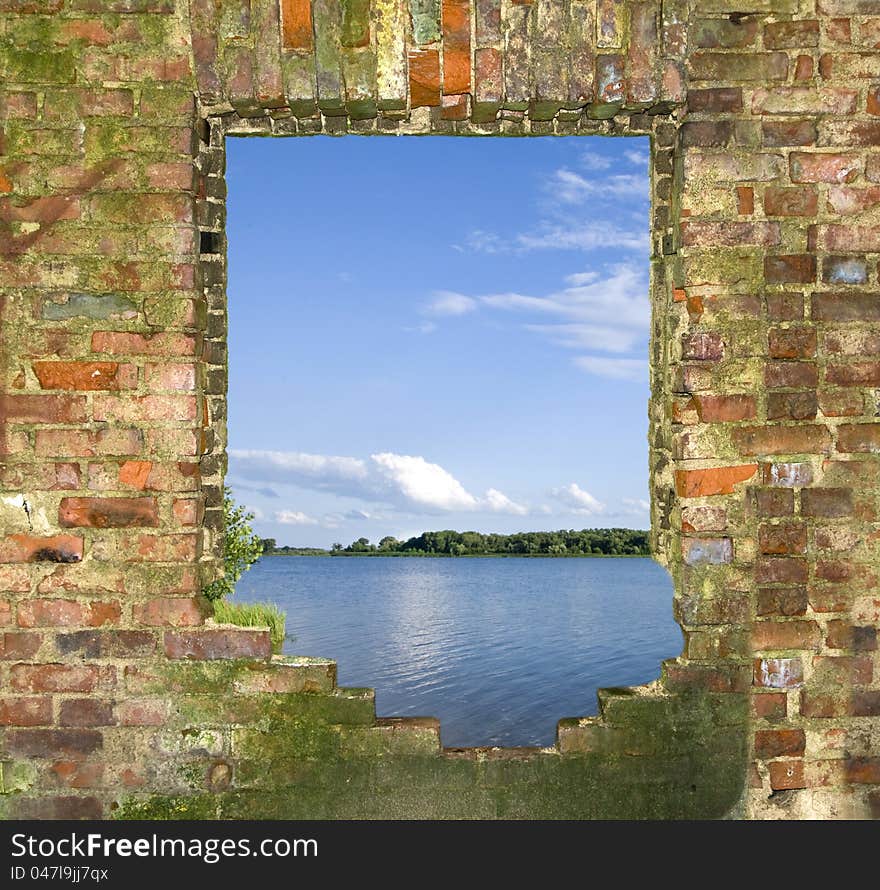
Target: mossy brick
[
  {"x": 19, "y": 65},
  {"x": 425, "y": 21}
]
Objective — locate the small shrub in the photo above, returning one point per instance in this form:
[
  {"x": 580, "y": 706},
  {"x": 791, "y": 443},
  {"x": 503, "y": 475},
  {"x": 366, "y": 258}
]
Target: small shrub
[
  {"x": 242, "y": 548},
  {"x": 253, "y": 615}
]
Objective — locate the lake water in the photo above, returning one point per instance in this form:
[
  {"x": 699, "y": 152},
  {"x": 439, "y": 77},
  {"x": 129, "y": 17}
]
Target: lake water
[{"x": 498, "y": 649}]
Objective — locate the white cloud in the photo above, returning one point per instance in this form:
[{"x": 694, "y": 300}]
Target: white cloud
[
  {"x": 574, "y": 235},
  {"x": 632, "y": 369},
  {"x": 573, "y": 188},
  {"x": 422, "y": 483},
  {"x": 575, "y": 497},
  {"x": 592, "y": 160},
  {"x": 636, "y": 156},
  {"x": 294, "y": 517},
  {"x": 408, "y": 482},
  {"x": 498, "y": 502},
  {"x": 450, "y": 303},
  {"x": 588, "y": 336},
  {"x": 636, "y": 505}
]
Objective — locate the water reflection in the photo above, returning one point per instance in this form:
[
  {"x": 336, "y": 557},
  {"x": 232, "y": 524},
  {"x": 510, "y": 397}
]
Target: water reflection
[{"x": 498, "y": 649}]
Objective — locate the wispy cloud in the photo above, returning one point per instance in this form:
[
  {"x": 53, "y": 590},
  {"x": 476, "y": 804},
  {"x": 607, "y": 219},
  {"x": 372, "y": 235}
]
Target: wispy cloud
[
  {"x": 408, "y": 482},
  {"x": 575, "y": 188},
  {"x": 634, "y": 370},
  {"x": 592, "y": 312},
  {"x": 636, "y": 505},
  {"x": 592, "y": 160},
  {"x": 294, "y": 517},
  {"x": 578, "y": 500},
  {"x": 637, "y": 156},
  {"x": 450, "y": 303}
]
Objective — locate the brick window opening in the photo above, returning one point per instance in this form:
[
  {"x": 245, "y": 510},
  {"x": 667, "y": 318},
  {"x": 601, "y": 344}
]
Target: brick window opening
[{"x": 570, "y": 282}]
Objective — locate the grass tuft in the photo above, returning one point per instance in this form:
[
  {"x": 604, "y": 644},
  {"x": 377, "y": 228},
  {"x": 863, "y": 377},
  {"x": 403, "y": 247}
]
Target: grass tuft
[{"x": 253, "y": 615}]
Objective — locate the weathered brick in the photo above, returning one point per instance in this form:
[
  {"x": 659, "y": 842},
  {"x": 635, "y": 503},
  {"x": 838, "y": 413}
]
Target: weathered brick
[
  {"x": 85, "y": 375},
  {"x": 783, "y": 539},
  {"x": 792, "y": 201},
  {"x": 791, "y": 269},
  {"x": 25, "y": 710},
  {"x": 792, "y": 634},
  {"x": 858, "y": 437},
  {"x": 712, "y": 481},
  {"x": 779, "y": 439},
  {"x": 786, "y": 775},
  {"x": 214, "y": 644},
  {"x": 31, "y": 548},
  {"x": 86, "y": 712},
  {"x": 786, "y": 601},
  {"x": 169, "y": 612},
  {"x": 68, "y": 743},
  {"x": 43, "y": 408},
  {"x": 778, "y": 673},
  {"x": 59, "y": 677},
  {"x": 108, "y": 512},
  {"x": 771, "y": 743},
  {"x": 702, "y": 346},
  {"x": 424, "y": 77},
  {"x": 716, "y": 99}
]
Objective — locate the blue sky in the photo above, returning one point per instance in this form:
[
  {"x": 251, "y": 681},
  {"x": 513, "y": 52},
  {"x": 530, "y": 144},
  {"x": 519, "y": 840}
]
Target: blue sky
[{"x": 431, "y": 333}]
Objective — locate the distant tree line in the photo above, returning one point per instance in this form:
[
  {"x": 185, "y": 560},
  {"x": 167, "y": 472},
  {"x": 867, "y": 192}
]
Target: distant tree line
[{"x": 586, "y": 542}]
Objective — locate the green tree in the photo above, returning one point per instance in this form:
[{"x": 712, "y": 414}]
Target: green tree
[
  {"x": 389, "y": 542},
  {"x": 268, "y": 544},
  {"x": 241, "y": 549}
]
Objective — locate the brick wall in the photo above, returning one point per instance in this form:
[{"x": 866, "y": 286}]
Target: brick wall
[{"x": 116, "y": 698}]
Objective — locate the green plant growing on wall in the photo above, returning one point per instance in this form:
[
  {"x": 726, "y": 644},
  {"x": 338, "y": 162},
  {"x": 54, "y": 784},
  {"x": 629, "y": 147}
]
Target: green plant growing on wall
[{"x": 241, "y": 549}]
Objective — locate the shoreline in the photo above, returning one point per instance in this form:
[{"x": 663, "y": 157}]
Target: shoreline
[{"x": 470, "y": 555}]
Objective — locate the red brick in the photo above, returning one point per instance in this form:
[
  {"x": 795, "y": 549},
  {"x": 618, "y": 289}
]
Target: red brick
[
  {"x": 85, "y": 375},
  {"x": 144, "y": 712},
  {"x": 25, "y": 711},
  {"x": 785, "y": 375},
  {"x": 845, "y": 635},
  {"x": 792, "y": 343},
  {"x": 771, "y": 743},
  {"x": 169, "y": 612},
  {"x": 849, "y": 238},
  {"x": 846, "y": 200},
  {"x": 186, "y": 511},
  {"x": 723, "y": 409},
  {"x": 774, "y": 502},
  {"x": 745, "y": 200},
  {"x": 778, "y": 673},
  {"x": 776, "y": 134},
  {"x": 786, "y": 601},
  {"x": 779, "y": 570},
  {"x": 719, "y": 99},
  {"x": 824, "y": 167},
  {"x": 729, "y": 234},
  {"x": 456, "y": 21},
  {"x": 72, "y": 774},
  {"x": 770, "y": 706},
  {"x": 40, "y": 210},
  {"x": 826, "y": 502},
  {"x": 15, "y": 646},
  {"x": 58, "y": 677},
  {"x": 791, "y": 35},
  {"x": 792, "y": 201},
  {"x": 145, "y": 408},
  {"x": 841, "y": 402},
  {"x": 215, "y": 644},
  {"x": 30, "y": 548},
  {"x": 43, "y": 409},
  {"x": 88, "y": 443},
  {"x": 106, "y": 643},
  {"x": 846, "y": 669},
  {"x": 703, "y": 346},
  {"x": 488, "y": 80},
  {"x": 170, "y": 344},
  {"x": 712, "y": 481},
  {"x": 424, "y": 77},
  {"x": 786, "y": 775},
  {"x": 68, "y": 743},
  {"x": 778, "y": 439},
  {"x": 792, "y": 405},
  {"x": 785, "y": 307},
  {"x": 166, "y": 548},
  {"x": 796, "y": 634},
  {"x": 177, "y": 377},
  {"x": 790, "y": 269},
  {"x": 845, "y": 307},
  {"x": 858, "y": 438},
  {"x": 865, "y": 702},
  {"x": 86, "y": 712},
  {"x": 296, "y": 24},
  {"x": 108, "y": 512},
  {"x": 784, "y": 539}
]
